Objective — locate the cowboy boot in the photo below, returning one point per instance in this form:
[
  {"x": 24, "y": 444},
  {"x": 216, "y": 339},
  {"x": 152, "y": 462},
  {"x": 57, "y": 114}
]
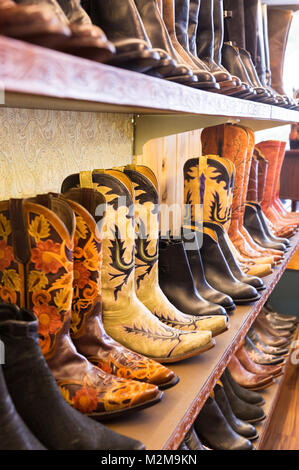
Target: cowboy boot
[
  {"x": 247, "y": 379},
  {"x": 231, "y": 142},
  {"x": 125, "y": 318},
  {"x": 248, "y": 396},
  {"x": 251, "y": 366},
  {"x": 214, "y": 430},
  {"x": 235, "y": 56},
  {"x": 87, "y": 331},
  {"x": 146, "y": 262},
  {"x": 218, "y": 22},
  {"x": 14, "y": 434},
  {"x": 255, "y": 338},
  {"x": 279, "y": 22},
  {"x": 240, "y": 427},
  {"x": 217, "y": 209},
  {"x": 159, "y": 37},
  {"x": 86, "y": 40},
  {"x": 194, "y": 26},
  {"x": 276, "y": 201},
  {"x": 32, "y": 23},
  {"x": 194, "y": 195},
  {"x": 37, "y": 273},
  {"x": 270, "y": 150},
  {"x": 260, "y": 357},
  {"x": 124, "y": 28},
  {"x": 205, "y": 78},
  {"x": 26, "y": 370}
]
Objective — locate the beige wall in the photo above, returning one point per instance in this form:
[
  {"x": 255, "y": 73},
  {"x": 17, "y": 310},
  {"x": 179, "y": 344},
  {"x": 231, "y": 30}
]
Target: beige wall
[{"x": 39, "y": 148}]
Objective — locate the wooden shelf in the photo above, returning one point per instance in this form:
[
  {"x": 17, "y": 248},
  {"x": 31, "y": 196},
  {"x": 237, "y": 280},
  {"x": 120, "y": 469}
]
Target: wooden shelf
[
  {"x": 35, "y": 77},
  {"x": 165, "y": 425}
]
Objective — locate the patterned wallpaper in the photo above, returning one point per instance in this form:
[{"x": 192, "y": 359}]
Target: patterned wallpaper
[{"x": 39, "y": 148}]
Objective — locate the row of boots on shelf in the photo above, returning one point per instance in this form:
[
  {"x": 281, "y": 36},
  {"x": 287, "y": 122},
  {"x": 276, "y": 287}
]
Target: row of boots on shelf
[
  {"x": 221, "y": 46},
  {"x": 228, "y": 417},
  {"x": 110, "y": 299}
]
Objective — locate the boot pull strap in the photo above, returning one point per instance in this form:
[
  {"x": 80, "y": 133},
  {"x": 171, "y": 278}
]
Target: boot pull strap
[
  {"x": 20, "y": 239},
  {"x": 44, "y": 200},
  {"x": 86, "y": 179}
]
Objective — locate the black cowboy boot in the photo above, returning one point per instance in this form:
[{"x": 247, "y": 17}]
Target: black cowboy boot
[
  {"x": 192, "y": 441},
  {"x": 214, "y": 430},
  {"x": 14, "y": 434},
  {"x": 34, "y": 392},
  {"x": 204, "y": 77},
  {"x": 244, "y": 410},
  {"x": 123, "y": 26},
  {"x": 239, "y": 426},
  {"x": 176, "y": 281},
  {"x": 159, "y": 37},
  {"x": 248, "y": 396}
]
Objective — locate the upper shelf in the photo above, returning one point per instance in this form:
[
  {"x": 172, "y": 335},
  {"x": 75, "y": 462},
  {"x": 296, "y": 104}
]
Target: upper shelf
[{"x": 35, "y": 77}]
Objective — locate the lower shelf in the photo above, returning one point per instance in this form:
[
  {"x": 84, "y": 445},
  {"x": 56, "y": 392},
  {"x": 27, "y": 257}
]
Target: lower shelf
[{"x": 165, "y": 425}]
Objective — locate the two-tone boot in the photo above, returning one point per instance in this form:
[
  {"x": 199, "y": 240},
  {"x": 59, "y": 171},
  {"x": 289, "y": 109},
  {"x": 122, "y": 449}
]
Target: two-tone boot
[
  {"x": 37, "y": 273},
  {"x": 126, "y": 319},
  {"x": 87, "y": 330},
  {"x": 213, "y": 259},
  {"x": 146, "y": 203}
]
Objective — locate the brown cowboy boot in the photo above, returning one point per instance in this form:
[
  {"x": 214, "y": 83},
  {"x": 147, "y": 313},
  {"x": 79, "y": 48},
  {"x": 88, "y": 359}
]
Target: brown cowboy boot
[
  {"x": 87, "y": 330},
  {"x": 37, "y": 273}
]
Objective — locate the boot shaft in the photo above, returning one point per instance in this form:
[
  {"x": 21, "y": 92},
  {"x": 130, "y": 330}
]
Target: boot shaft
[
  {"x": 250, "y": 20},
  {"x": 279, "y": 23},
  {"x": 270, "y": 150},
  {"x": 205, "y": 31},
  {"x": 181, "y": 22},
  {"x": 234, "y": 22},
  {"x": 252, "y": 191}
]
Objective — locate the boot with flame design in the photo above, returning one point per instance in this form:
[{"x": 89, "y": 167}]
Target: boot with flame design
[
  {"x": 87, "y": 330},
  {"x": 37, "y": 273},
  {"x": 125, "y": 318}
]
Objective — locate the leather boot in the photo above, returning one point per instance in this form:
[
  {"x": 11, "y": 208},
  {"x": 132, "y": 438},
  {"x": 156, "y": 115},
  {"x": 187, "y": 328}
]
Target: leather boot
[
  {"x": 247, "y": 379},
  {"x": 286, "y": 103},
  {"x": 204, "y": 77},
  {"x": 87, "y": 330},
  {"x": 244, "y": 410},
  {"x": 251, "y": 366},
  {"x": 276, "y": 323},
  {"x": 224, "y": 138},
  {"x": 271, "y": 151},
  {"x": 251, "y": 217},
  {"x": 279, "y": 22},
  {"x": 86, "y": 40},
  {"x": 201, "y": 284},
  {"x": 243, "y": 89},
  {"x": 146, "y": 261},
  {"x": 124, "y": 28},
  {"x": 176, "y": 282},
  {"x": 160, "y": 40},
  {"x": 14, "y": 434},
  {"x": 262, "y": 48},
  {"x": 235, "y": 55},
  {"x": 125, "y": 318},
  {"x": 268, "y": 338},
  {"x": 240, "y": 427},
  {"x": 192, "y": 441},
  {"x": 260, "y": 357},
  {"x": 38, "y": 240},
  {"x": 25, "y": 370},
  {"x": 265, "y": 348},
  {"x": 214, "y": 430},
  {"x": 194, "y": 195},
  {"x": 249, "y": 396},
  {"x": 262, "y": 319},
  {"x": 200, "y": 39},
  {"x": 284, "y": 317},
  {"x": 217, "y": 209},
  {"x": 32, "y": 23}
]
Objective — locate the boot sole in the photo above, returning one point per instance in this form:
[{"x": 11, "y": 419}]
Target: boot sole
[
  {"x": 246, "y": 301},
  {"x": 256, "y": 420},
  {"x": 260, "y": 387},
  {"x": 105, "y": 416},
  {"x": 221, "y": 331},
  {"x": 163, "y": 360},
  {"x": 169, "y": 384}
]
